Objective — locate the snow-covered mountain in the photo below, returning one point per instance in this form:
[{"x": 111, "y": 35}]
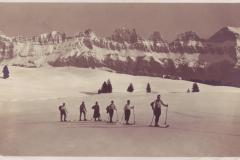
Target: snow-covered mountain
[
  {"x": 214, "y": 60},
  {"x": 6, "y": 47}
]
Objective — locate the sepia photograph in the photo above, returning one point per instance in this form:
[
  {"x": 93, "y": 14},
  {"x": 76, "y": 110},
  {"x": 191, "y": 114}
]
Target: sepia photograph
[{"x": 119, "y": 79}]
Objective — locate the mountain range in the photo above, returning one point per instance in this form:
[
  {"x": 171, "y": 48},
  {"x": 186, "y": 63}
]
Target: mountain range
[{"x": 215, "y": 60}]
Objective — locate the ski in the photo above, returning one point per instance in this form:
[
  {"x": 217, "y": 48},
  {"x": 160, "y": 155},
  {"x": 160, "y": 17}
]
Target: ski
[
  {"x": 107, "y": 124},
  {"x": 161, "y": 126},
  {"x": 129, "y": 124},
  {"x": 111, "y": 123}
]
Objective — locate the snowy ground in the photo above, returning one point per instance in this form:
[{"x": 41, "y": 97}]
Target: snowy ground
[{"x": 201, "y": 124}]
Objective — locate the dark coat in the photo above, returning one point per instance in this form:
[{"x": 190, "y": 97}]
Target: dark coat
[{"x": 96, "y": 109}]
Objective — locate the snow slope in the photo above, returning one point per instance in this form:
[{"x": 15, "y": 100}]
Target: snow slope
[{"x": 201, "y": 124}]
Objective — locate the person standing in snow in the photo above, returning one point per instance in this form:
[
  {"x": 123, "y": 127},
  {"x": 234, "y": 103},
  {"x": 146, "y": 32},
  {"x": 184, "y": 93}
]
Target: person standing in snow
[
  {"x": 127, "y": 111},
  {"x": 63, "y": 112},
  {"x": 5, "y": 72},
  {"x": 156, "y": 107},
  {"x": 83, "y": 111},
  {"x": 110, "y": 110},
  {"x": 96, "y": 113}
]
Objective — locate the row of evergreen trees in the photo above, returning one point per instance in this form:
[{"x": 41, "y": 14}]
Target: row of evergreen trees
[
  {"x": 131, "y": 88},
  {"x": 107, "y": 88},
  {"x": 195, "y": 87}
]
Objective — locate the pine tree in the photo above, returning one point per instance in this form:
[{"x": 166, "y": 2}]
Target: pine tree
[
  {"x": 148, "y": 89},
  {"x": 130, "y": 88},
  {"x": 104, "y": 87},
  {"x": 195, "y": 87},
  {"x": 5, "y": 72},
  {"x": 109, "y": 87}
]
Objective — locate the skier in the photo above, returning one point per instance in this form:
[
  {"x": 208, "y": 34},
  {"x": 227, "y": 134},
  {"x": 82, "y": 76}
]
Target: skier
[
  {"x": 83, "y": 111},
  {"x": 110, "y": 110},
  {"x": 96, "y": 114},
  {"x": 63, "y": 112},
  {"x": 127, "y": 111},
  {"x": 5, "y": 72},
  {"x": 156, "y": 107}
]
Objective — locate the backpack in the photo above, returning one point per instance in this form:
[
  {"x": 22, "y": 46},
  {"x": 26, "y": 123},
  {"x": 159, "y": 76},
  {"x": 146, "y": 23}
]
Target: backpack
[
  {"x": 60, "y": 108},
  {"x": 107, "y": 109}
]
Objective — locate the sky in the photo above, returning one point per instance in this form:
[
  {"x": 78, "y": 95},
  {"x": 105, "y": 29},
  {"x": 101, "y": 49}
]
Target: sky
[{"x": 29, "y": 19}]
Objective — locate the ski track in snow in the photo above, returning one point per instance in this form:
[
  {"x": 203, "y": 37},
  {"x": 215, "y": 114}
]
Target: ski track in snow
[
  {"x": 105, "y": 125},
  {"x": 187, "y": 115}
]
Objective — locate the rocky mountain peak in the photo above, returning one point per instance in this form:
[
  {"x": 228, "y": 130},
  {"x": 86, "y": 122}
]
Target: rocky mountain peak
[
  {"x": 226, "y": 34},
  {"x": 3, "y": 37},
  {"x": 122, "y": 35},
  {"x": 90, "y": 34},
  {"x": 188, "y": 36},
  {"x": 126, "y": 51},
  {"x": 188, "y": 42},
  {"x": 156, "y": 37}
]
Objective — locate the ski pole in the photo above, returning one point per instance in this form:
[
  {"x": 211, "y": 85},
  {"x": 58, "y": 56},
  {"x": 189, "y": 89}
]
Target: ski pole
[
  {"x": 108, "y": 118},
  {"x": 120, "y": 122},
  {"x": 122, "y": 117},
  {"x": 134, "y": 117},
  {"x": 117, "y": 115},
  {"x": 151, "y": 121},
  {"x": 166, "y": 117}
]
